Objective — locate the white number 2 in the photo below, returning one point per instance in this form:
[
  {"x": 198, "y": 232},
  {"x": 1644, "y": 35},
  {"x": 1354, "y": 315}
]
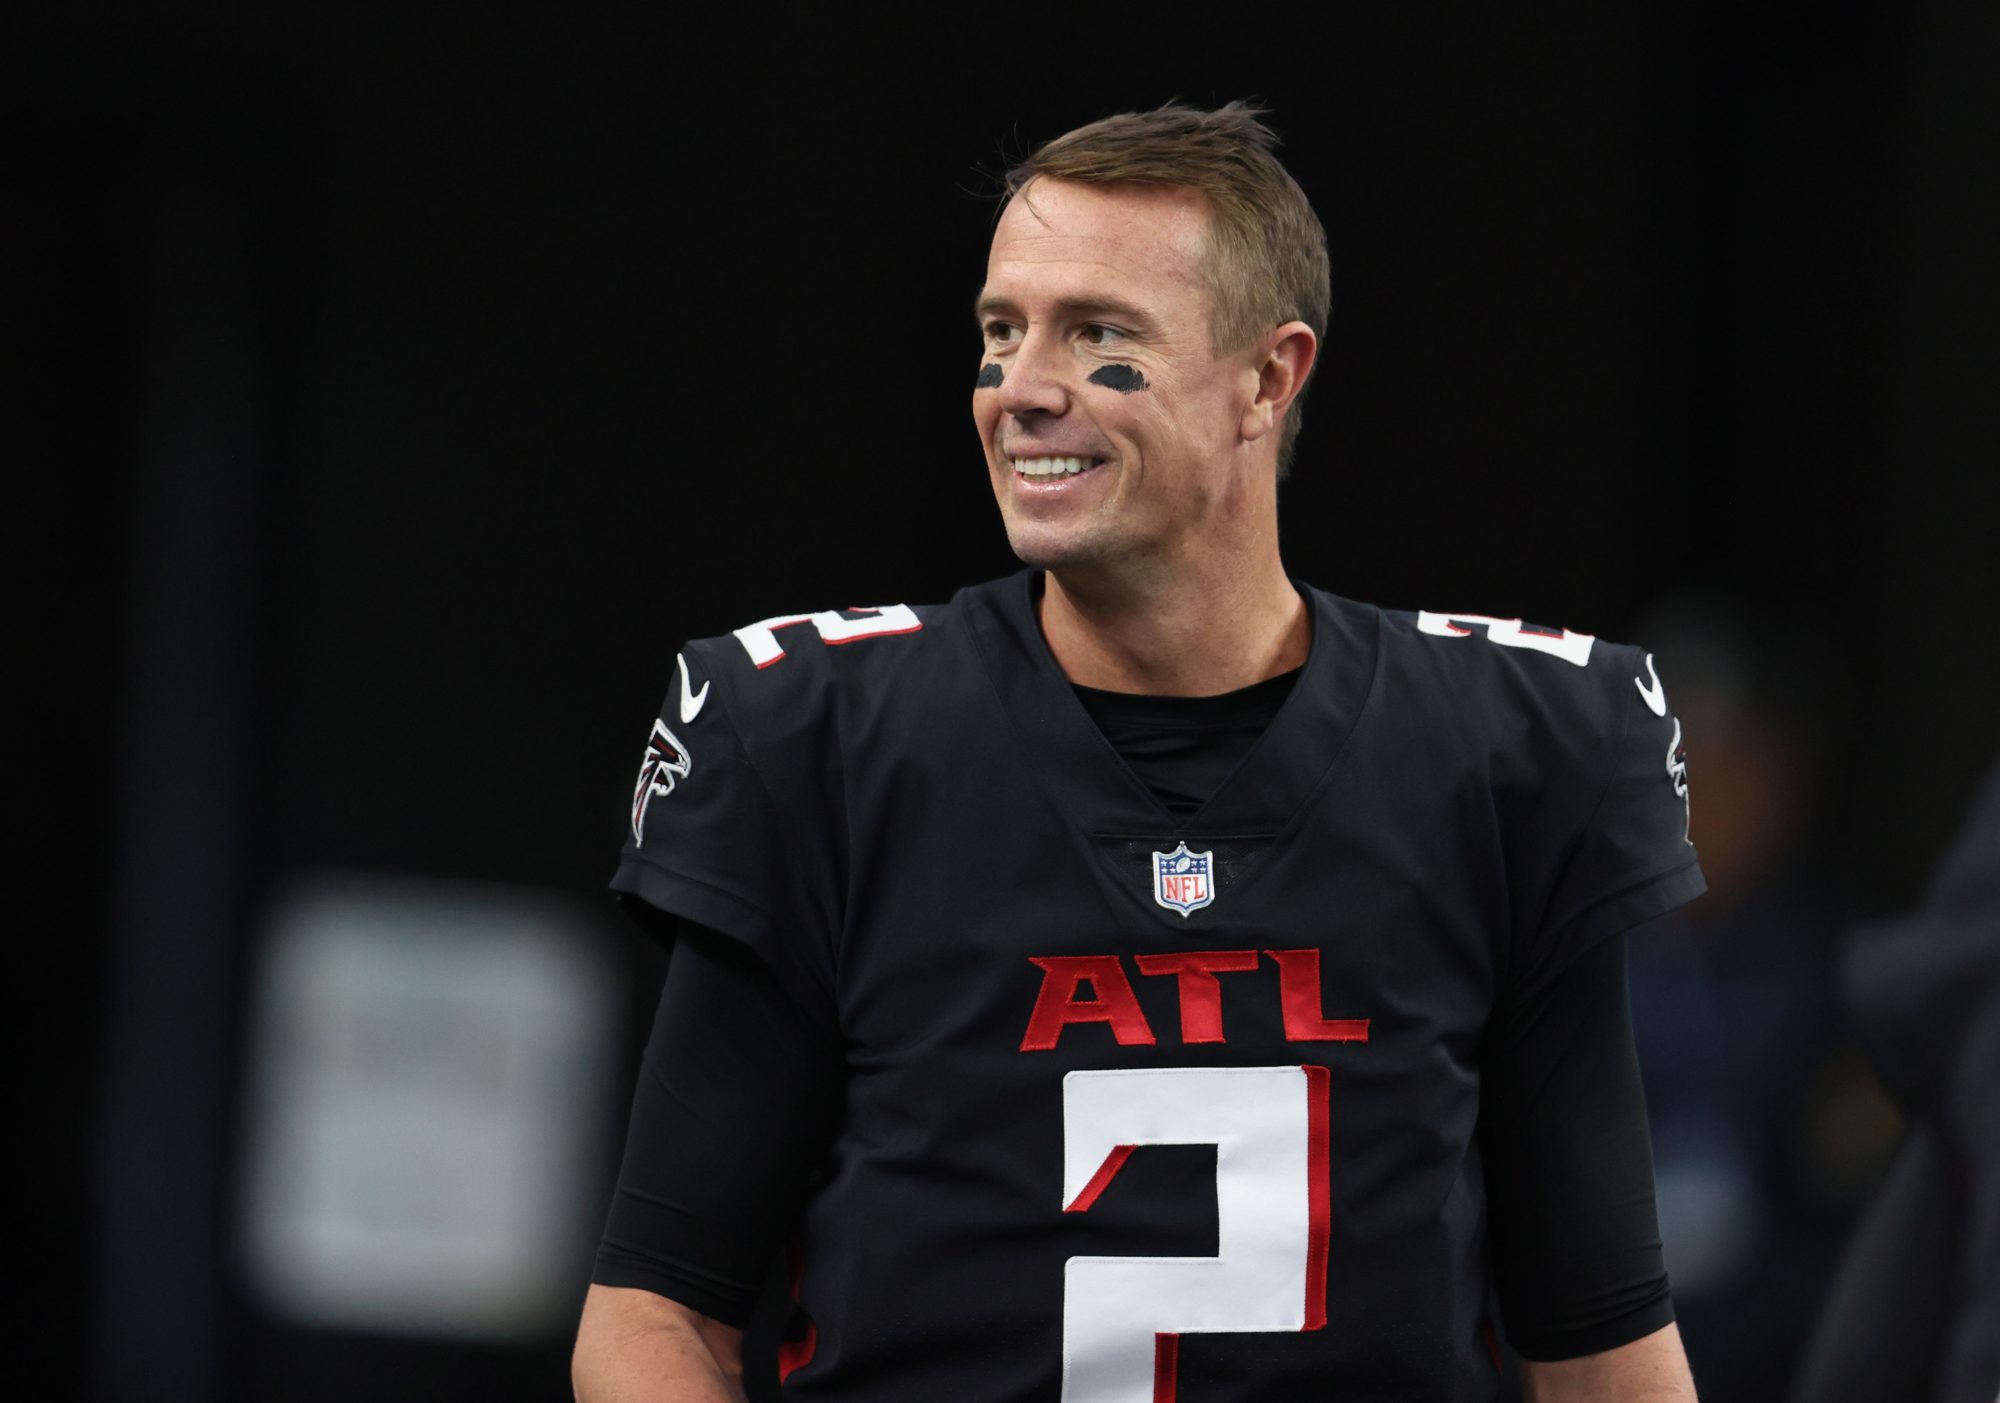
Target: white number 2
[
  {"x": 760, "y": 640},
  {"x": 1123, "y": 1316},
  {"x": 1511, "y": 633}
]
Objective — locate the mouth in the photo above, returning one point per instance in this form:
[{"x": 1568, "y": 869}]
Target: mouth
[{"x": 1053, "y": 470}]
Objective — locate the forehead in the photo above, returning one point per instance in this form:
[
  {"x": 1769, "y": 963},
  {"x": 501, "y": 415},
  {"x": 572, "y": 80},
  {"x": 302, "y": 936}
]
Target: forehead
[{"x": 1058, "y": 238}]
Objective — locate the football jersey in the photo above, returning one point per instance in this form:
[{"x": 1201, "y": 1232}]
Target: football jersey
[{"x": 1140, "y": 1107}]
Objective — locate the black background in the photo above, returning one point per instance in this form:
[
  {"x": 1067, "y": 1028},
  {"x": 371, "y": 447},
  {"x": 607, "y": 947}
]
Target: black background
[{"x": 393, "y": 391}]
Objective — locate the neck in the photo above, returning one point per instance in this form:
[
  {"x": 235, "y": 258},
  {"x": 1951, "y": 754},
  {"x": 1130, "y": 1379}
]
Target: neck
[{"x": 1181, "y": 632}]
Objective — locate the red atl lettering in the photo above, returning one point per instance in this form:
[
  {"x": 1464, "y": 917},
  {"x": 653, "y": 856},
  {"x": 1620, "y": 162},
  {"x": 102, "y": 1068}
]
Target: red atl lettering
[
  {"x": 1200, "y": 993},
  {"x": 1057, "y": 1006},
  {"x": 1298, "y": 995}
]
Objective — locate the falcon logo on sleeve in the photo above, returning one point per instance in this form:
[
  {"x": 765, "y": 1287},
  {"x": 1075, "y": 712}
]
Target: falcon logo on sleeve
[
  {"x": 667, "y": 761},
  {"x": 1677, "y": 771}
]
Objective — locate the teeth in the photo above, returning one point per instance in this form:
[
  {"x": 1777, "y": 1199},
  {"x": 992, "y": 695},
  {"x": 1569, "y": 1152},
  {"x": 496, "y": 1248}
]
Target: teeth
[{"x": 1052, "y": 467}]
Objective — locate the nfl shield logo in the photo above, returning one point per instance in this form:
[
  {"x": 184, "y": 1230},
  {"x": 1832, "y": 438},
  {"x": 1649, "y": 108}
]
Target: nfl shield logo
[{"x": 1181, "y": 879}]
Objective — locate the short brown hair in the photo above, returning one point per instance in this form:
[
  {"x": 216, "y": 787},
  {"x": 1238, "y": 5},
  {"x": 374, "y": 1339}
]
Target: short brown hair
[{"x": 1266, "y": 261}]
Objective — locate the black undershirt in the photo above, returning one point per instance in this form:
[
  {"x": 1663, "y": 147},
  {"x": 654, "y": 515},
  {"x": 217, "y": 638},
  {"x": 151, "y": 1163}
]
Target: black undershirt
[
  {"x": 742, "y": 1084},
  {"x": 1185, "y": 747}
]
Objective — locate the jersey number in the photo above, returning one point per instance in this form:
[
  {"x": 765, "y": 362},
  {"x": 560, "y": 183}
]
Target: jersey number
[
  {"x": 760, "y": 639},
  {"x": 1123, "y": 1316},
  {"x": 1512, "y": 633}
]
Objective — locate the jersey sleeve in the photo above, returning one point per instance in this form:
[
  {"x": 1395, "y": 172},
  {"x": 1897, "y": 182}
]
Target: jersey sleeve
[
  {"x": 1568, "y": 1164},
  {"x": 1631, "y": 858},
  {"x": 723, "y": 831},
  {"x": 736, "y": 1099}
]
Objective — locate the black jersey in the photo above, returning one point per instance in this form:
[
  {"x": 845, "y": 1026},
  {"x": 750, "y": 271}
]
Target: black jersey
[{"x": 1142, "y": 1107}]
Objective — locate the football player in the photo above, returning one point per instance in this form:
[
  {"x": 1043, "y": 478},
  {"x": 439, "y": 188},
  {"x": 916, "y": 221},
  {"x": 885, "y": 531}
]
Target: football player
[{"x": 1147, "y": 977}]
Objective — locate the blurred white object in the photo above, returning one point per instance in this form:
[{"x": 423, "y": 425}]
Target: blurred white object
[
  {"x": 425, "y": 1118},
  {"x": 1705, "y": 1191}
]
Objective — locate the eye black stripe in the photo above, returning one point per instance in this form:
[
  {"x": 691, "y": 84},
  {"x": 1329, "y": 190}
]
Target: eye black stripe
[{"x": 1122, "y": 378}]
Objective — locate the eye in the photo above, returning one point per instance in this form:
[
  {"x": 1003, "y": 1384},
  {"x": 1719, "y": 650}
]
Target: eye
[
  {"x": 1098, "y": 334},
  {"x": 998, "y": 333}
]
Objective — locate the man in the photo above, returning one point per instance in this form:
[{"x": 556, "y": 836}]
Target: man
[{"x": 1147, "y": 978}]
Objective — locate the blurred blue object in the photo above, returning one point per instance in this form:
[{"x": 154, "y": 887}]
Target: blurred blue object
[
  {"x": 1766, "y": 1131},
  {"x": 1914, "y": 1315}
]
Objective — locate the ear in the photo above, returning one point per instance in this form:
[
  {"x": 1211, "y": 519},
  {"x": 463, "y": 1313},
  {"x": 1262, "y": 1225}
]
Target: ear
[{"x": 1281, "y": 361}]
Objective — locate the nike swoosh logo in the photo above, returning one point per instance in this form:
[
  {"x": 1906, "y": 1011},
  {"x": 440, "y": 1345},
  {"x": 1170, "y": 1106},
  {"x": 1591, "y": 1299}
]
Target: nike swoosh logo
[
  {"x": 691, "y": 701},
  {"x": 1655, "y": 696}
]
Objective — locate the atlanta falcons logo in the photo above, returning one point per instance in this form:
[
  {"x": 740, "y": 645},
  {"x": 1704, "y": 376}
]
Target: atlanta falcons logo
[
  {"x": 1677, "y": 771},
  {"x": 666, "y": 762}
]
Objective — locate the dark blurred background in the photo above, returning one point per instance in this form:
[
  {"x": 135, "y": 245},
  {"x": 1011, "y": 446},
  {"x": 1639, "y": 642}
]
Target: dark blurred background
[{"x": 390, "y": 392}]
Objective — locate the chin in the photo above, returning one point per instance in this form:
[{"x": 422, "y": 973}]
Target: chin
[
  {"x": 1049, "y": 548},
  {"x": 1038, "y": 546}
]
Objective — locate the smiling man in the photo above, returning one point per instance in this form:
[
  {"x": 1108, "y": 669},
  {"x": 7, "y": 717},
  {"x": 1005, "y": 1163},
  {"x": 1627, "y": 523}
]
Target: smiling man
[
  {"x": 1147, "y": 977},
  {"x": 1154, "y": 506}
]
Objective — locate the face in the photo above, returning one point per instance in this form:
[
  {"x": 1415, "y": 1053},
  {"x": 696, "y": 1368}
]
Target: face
[{"x": 1113, "y": 434}]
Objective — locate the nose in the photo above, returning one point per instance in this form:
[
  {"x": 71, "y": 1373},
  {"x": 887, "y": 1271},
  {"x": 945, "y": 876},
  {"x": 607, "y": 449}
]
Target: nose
[{"x": 1036, "y": 380}]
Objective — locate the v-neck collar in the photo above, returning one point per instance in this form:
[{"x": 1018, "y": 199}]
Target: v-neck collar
[{"x": 1095, "y": 786}]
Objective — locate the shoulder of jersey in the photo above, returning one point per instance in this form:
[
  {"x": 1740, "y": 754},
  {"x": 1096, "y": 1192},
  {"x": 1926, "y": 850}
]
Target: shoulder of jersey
[
  {"x": 1502, "y": 668},
  {"x": 779, "y": 671}
]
